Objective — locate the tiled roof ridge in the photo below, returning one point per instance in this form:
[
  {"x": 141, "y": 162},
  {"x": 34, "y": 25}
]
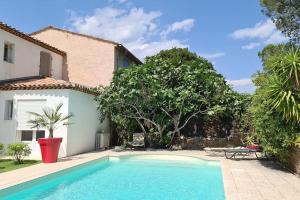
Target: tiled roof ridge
[{"x": 41, "y": 82}]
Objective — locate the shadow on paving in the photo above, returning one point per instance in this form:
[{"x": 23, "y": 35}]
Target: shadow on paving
[{"x": 274, "y": 165}]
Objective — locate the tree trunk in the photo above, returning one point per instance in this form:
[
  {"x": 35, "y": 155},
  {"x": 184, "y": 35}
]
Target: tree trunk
[{"x": 51, "y": 133}]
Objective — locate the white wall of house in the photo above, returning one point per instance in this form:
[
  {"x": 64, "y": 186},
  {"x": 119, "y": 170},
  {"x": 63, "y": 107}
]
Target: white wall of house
[
  {"x": 9, "y": 132},
  {"x": 26, "y": 58},
  {"x": 81, "y": 134},
  {"x": 77, "y": 138}
]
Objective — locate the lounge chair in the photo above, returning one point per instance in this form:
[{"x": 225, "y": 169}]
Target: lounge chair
[
  {"x": 137, "y": 141},
  {"x": 247, "y": 151},
  {"x": 232, "y": 153},
  {"x": 217, "y": 150}
]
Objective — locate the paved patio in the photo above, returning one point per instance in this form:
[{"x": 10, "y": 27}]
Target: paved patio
[{"x": 243, "y": 180}]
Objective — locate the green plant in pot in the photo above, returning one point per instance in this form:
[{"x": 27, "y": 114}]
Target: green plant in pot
[{"x": 50, "y": 119}]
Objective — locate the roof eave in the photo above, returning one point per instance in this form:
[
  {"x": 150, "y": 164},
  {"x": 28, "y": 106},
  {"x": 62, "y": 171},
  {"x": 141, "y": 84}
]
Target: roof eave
[{"x": 24, "y": 36}]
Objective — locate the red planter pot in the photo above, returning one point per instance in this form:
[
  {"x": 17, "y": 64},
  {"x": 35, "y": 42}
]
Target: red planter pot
[{"x": 49, "y": 149}]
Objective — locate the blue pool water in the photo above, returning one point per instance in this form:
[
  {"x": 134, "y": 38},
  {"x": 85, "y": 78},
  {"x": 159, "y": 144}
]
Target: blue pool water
[{"x": 128, "y": 178}]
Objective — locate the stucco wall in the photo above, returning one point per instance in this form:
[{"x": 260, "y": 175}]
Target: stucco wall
[
  {"x": 78, "y": 137},
  {"x": 8, "y": 132},
  {"x": 89, "y": 62},
  {"x": 81, "y": 134},
  {"x": 26, "y": 58}
]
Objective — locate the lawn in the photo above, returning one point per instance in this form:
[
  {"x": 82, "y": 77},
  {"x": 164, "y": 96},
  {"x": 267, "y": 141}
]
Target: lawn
[{"x": 8, "y": 165}]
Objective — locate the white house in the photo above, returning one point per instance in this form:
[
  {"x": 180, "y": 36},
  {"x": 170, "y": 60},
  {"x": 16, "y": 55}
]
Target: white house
[{"x": 31, "y": 74}]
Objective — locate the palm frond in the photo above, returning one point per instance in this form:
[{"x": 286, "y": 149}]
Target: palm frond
[{"x": 50, "y": 118}]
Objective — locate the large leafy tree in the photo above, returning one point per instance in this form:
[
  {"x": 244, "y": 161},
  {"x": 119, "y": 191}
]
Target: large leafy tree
[
  {"x": 165, "y": 93},
  {"x": 285, "y": 14}
]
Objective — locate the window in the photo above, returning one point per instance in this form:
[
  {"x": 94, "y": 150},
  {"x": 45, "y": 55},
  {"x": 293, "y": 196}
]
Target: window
[
  {"x": 26, "y": 135},
  {"x": 40, "y": 134},
  {"x": 8, "y": 52},
  {"x": 8, "y": 112},
  {"x": 125, "y": 62}
]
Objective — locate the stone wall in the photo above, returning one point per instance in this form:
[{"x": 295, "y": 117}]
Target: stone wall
[
  {"x": 294, "y": 160},
  {"x": 197, "y": 143}
]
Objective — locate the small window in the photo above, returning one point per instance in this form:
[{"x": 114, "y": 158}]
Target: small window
[
  {"x": 8, "y": 52},
  {"x": 26, "y": 135},
  {"x": 8, "y": 112},
  {"x": 40, "y": 134},
  {"x": 125, "y": 62}
]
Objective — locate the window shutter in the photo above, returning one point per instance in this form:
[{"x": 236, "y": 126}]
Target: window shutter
[
  {"x": 45, "y": 64},
  {"x": 25, "y": 106}
]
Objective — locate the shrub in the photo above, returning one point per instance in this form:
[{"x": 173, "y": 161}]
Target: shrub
[
  {"x": 1, "y": 147},
  {"x": 19, "y": 151},
  {"x": 275, "y": 105}
]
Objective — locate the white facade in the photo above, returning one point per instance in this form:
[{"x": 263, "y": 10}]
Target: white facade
[
  {"x": 77, "y": 138},
  {"x": 25, "y": 58}
]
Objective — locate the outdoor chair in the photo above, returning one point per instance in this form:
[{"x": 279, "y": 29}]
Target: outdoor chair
[
  {"x": 233, "y": 153},
  {"x": 243, "y": 152},
  {"x": 137, "y": 141},
  {"x": 219, "y": 150}
]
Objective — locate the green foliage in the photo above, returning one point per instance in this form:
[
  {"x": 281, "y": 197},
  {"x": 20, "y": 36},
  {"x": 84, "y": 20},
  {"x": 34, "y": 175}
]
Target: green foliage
[
  {"x": 285, "y": 14},
  {"x": 18, "y": 151},
  {"x": 242, "y": 115},
  {"x": 275, "y": 103},
  {"x": 282, "y": 86},
  {"x": 1, "y": 147},
  {"x": 164, "y": 93},
  {"x": 275, "y": 134},
  {"x": 250, "y": 139},
  {"x": 51, "y": 119}
]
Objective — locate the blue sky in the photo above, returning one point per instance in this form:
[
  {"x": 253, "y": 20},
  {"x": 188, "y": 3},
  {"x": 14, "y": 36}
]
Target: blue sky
[{"x": 228, "y": 33}]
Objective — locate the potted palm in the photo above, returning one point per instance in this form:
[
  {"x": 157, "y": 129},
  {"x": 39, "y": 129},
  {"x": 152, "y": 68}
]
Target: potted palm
[{"x": 50, "y": 119}]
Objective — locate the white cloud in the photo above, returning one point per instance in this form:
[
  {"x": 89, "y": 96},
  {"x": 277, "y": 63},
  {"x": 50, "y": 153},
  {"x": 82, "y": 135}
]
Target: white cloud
[
  {"x": 264, "y": 31},
  {"x": 142, "y": 50},
  {"x": 184, "y": 25},
  {"x": 137, "y": 29},
  {"x": 240, "y": 82},
  {"x": 242, "y": 85},
  {"x": 212, "y": 55},
  {"x": 118, "y": 24},
  {"x": 260, "y": 30},
  {"x": 276, "y": 38},
  {"x": 251, "y": 45}
]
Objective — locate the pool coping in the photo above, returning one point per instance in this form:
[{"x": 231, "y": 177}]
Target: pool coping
[{"x": 233, "y": 173}]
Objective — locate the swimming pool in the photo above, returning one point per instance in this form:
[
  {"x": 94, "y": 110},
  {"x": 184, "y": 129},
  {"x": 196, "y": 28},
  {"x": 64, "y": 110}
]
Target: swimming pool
[{"x": 143, "y": 177}]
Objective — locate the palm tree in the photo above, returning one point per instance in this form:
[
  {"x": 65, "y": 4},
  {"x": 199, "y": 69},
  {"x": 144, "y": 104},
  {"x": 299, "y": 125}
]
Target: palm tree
[
  {"x": 51, "y": 119},
  {"x": 283, "y": 86}
]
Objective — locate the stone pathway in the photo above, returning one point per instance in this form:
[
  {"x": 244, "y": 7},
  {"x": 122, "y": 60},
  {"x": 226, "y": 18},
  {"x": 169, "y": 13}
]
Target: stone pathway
[{"x": 259, "y": 180}]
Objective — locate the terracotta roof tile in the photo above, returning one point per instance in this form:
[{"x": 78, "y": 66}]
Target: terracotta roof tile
[{"x": 41, "y": 83}]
